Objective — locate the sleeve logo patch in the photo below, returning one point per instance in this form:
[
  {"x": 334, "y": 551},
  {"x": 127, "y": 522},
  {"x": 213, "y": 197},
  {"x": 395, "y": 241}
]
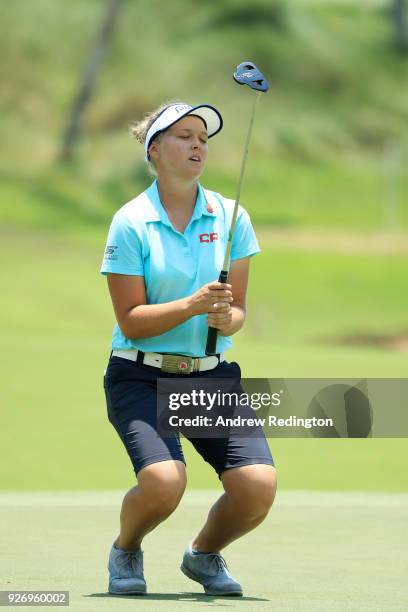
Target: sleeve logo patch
[{"x": 110, "y": 253}]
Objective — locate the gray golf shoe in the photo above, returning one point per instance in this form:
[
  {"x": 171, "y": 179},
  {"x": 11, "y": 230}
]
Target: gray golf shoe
[
  {"x": 126, "y": 572},
  {"x": 210, "y": 570}
]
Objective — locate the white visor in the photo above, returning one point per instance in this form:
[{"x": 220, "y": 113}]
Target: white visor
[{"x": 175, "y": 112}]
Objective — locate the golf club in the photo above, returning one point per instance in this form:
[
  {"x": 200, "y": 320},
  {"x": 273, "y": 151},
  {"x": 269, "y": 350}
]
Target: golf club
[{"x": 245, "y": 74}]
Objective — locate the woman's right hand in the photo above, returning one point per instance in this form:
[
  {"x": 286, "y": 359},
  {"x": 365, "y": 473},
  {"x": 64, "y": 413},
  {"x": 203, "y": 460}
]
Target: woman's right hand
[{"x": 205, "y": 300}]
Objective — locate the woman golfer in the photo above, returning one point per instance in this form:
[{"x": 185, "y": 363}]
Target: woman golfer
[{"x": 163, "y": 252}]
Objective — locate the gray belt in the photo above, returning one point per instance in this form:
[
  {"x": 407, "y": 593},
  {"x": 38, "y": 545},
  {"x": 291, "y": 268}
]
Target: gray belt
[{"x": 175, "y": 364}]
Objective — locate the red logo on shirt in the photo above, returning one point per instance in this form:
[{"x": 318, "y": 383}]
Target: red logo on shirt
[
  {"x": 208, "y": 237},
  {"x": 210, "y": 209}
]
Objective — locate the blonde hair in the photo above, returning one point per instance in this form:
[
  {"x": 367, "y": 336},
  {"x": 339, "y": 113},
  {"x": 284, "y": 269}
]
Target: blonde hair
[{"x": 139, "y": 129}]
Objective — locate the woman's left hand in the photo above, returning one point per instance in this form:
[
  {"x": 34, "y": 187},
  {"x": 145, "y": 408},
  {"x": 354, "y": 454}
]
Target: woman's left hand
[{"x": 221, "y": 317}]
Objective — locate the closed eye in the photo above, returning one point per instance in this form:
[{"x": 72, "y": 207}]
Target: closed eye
[{"x": 185, "y": 136}]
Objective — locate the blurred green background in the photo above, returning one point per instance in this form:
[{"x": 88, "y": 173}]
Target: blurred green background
[{"x": 325, "y": 187}]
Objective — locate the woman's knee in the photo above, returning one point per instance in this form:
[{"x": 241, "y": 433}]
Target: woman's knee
[
  {"x": 162, "y": 485},
  {"x": 252, "y": 488}
]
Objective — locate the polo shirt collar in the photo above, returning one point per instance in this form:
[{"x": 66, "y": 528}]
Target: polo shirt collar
[
  {"x": 206, "y": 207},
  {"x": 154, "y": 211}
]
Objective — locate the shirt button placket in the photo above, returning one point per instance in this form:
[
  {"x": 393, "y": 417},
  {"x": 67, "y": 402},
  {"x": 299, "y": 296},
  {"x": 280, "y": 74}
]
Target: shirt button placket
[{"x": 186, "y": 247}]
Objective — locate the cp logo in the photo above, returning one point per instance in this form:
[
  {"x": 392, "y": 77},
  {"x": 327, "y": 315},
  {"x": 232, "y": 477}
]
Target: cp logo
[{"x": 208, "y": 237}]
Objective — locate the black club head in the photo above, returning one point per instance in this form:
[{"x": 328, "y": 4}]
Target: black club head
[{"x": 248, "y": 74}]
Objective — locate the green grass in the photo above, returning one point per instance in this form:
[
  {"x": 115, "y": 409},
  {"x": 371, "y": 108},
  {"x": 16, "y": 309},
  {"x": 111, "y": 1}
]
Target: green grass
[
  {"x": 276, "y": 194},
  {"x": 320, "y": 551},
  {"x": 56, "y": 322},
  {"x": 336, "y": 109},
  {"x": 311, "y": 297},
  {"x": 327, "y": 155}
]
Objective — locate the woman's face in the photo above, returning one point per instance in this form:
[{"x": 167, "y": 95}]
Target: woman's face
[{"x": 173, "y": 153}]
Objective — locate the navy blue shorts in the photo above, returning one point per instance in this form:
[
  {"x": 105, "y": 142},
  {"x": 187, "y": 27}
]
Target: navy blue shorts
[{"x": 130, "y": 391}]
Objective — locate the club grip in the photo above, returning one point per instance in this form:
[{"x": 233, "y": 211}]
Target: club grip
[{"x": 211, "y": 346}]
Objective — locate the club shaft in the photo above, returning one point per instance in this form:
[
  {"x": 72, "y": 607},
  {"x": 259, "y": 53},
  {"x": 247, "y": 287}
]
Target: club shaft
[
  {"x": 223, "y": 278},
  {"x": 225, "y": 266}
]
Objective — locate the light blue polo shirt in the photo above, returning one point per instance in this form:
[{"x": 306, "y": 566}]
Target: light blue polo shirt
[{"x": 142, "y": 241}]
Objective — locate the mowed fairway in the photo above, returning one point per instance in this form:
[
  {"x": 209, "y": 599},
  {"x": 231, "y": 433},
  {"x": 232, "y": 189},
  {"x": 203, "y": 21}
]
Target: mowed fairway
[
  {"x": 314, "y": 552},
  {"x": 56, "y": 322}
]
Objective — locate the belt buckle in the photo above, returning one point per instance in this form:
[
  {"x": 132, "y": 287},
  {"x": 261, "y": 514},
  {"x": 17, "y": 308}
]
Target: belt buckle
[{"x": 180, "y": 364}]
